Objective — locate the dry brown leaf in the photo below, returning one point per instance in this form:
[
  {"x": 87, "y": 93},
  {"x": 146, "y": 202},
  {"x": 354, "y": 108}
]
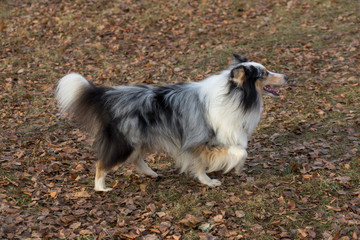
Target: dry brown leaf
[
  {"x": 239, "y": 213},
  {"x": 82, "y": 194},
  {"x": 218, "y": 218},
  {"x": 131, "y": 235},
  {"x": 143, "y": 187},
  {"x": 190, "y": 221},
  {"x": 151, "y": 207},
  {"x": 336, "y": 209},
  {"x": 75, "y": 225},
  {"x": 53, "y": 194},
  {"x": 302, "y": 233}
]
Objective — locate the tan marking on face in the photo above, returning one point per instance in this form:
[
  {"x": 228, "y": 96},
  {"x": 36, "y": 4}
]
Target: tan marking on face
[
  {"x": 271, "y": 79},
  {"x": 259, "y": 86},
  {"x": 239, "y": 75},
  {"x": 274, "y": 80}
]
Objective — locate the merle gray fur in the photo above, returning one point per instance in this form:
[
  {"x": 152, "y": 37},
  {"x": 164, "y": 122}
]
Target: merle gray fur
[{"x": 171, "y": 116}]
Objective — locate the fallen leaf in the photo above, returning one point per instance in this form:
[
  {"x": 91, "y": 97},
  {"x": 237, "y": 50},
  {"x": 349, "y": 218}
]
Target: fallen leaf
[
  {"x": 82, "y": 194},
  {"x": 85, "y": 232},
  {"x": 131, "y": 235},
  {"x": 218, "y": 218},
  {"x": 336, "y": 209},
  {"x": 161, "y": 214},
  {"x": 176, "y": 236},
  {"x": 206, "y": 227},
  {"x": 75, "y": 225},
  {"x": 307, "y": 176},
  {"x": 151, "y": 207},
  {"x": 344, "y": 179},
  {"x": 191, "y": 221},
  {"x": 150, "y": 237},
  {"x": 239, "y": 213},
  {"x": 53, "y": 194},
  {"x": 281, "y": 200},
  {"x": 302, "y": 233},
  {"x": 275, "y": 223},
  {"x": 207, "y": 212},
  {"x": 143, "y": 187},
  {"x": 291, "y": 205},
  {"x": 79, "y": 167},
  {"x": 248, "y": 192}
]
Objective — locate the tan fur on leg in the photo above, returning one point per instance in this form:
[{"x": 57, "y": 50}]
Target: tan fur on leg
[
  {"x": 100, "y": 178},
  {"x": 222, "y": 158},
  {"x": 213, "y": 157}
]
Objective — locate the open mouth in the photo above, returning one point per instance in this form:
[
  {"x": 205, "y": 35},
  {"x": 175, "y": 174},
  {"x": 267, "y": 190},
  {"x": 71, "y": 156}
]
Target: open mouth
[{"x": 271, "y": 90}]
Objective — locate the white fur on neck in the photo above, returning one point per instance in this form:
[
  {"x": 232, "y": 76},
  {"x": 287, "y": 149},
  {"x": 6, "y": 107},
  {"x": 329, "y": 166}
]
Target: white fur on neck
[{"x": 231, "y": 124}]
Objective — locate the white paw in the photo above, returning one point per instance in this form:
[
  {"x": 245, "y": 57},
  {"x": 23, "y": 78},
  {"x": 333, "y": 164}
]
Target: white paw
[
  {"x": 102, "y": 189},
  {"x": 213, "y": 183},
  {"x": 216, "y": 182},
  {"x": 153, "y": 175}
]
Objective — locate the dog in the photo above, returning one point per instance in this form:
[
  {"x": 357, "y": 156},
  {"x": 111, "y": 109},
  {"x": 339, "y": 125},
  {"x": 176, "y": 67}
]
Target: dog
[{"x": 204, "y": 126}]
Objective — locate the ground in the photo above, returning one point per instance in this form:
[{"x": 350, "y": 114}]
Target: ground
[{"x": 302, "y": 176}]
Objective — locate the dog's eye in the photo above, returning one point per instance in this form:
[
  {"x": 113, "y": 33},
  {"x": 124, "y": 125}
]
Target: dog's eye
[{"x": 266, "y": 73}]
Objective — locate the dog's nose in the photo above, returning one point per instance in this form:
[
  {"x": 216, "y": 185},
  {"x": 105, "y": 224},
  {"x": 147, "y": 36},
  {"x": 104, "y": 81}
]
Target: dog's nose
[{"x": 286, "y": 78}]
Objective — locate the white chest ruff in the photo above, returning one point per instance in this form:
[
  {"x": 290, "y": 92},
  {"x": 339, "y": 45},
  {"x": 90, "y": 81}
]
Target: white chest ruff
[
  {"x": 231, "y": 124},
  {"x": 233, "y": 128}
]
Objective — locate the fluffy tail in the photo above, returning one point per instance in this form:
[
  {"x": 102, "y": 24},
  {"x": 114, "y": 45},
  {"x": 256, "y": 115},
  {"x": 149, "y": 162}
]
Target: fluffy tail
[
  {"x": 81, "y": 100},
  {"x": 69, "y": 90},
  {"x": 86, "y": 104}
]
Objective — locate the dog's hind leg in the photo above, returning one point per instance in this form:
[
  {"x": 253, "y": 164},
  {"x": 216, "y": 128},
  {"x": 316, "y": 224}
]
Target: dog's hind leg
[
  {"x": 100, "y": 175},
  {"x": 140, "y": 165},
  {"x": 112, "y": 151}
]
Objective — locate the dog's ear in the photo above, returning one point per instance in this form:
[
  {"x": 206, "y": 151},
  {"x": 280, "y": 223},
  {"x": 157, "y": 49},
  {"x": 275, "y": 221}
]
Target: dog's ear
[
  {"x": 239, "y": 59},
  {"x": 238, "y": 75}
]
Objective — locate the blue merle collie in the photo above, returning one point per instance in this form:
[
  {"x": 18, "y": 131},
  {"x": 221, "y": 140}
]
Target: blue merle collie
[{"x": 204, "y": 126}]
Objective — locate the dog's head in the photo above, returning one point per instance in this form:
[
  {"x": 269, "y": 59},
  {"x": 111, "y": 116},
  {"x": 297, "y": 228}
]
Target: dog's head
[{"x": 251, "y": 75}]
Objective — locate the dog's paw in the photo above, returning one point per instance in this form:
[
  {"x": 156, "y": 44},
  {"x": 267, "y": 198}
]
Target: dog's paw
[
  {"x": 153, "y": 175},
  {"x": 150, "y": 173},
  {"x": 216, "y": 182},
  {"x": 204, "y": 179},
  {"x": 213, "y": 183},
  {"x": 102, "y": 189}
]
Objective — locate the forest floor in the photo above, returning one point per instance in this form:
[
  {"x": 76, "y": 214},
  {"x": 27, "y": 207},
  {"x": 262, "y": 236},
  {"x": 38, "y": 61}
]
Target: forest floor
[{"x": 302, "y": 176}]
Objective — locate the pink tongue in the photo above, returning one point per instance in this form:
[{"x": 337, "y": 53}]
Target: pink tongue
[{"x": 272, "y": 90}]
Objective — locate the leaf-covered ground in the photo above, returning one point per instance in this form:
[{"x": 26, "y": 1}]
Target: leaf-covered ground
[{"x": 302, "y": 177}]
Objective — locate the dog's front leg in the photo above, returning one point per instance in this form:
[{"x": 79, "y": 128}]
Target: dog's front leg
[
  {"x": 240, "y": 154},
  {"x": 211, "y": 159},
  {"x": 217, "y": 159},
  {"x": 205, "y": 179}
]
